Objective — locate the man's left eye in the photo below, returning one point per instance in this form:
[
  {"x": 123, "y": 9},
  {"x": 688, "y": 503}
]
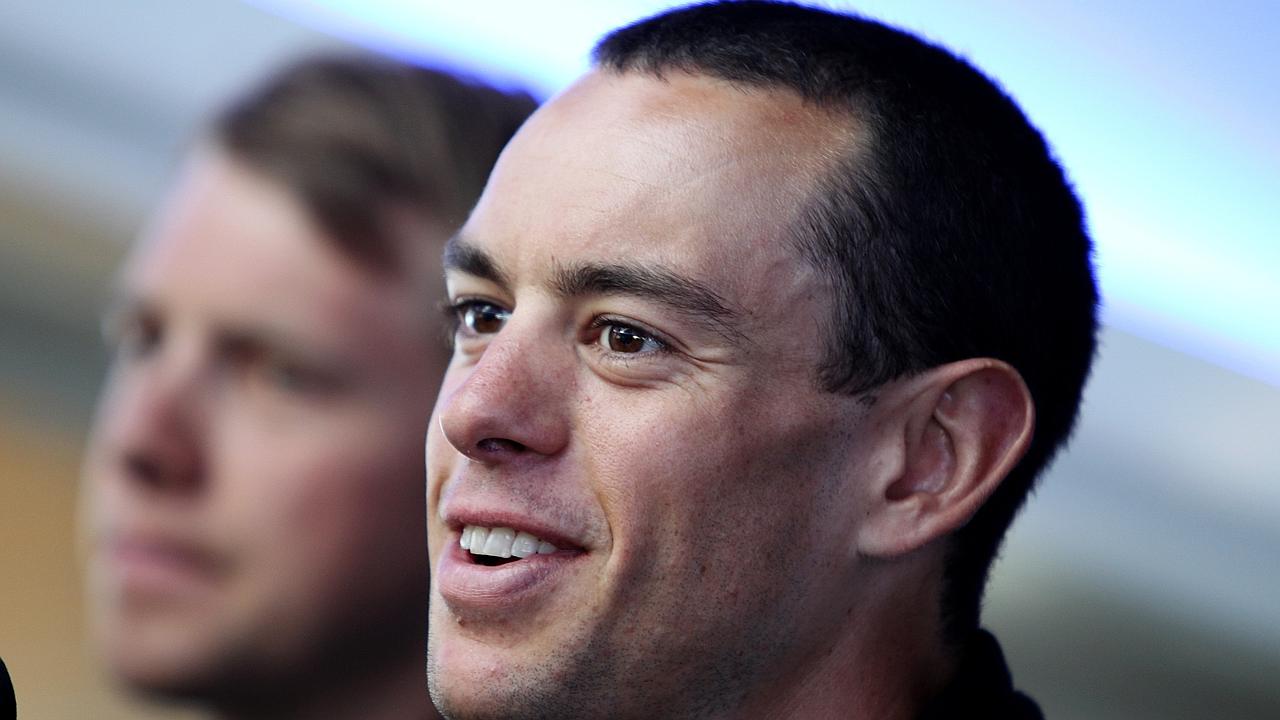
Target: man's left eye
[
  {"x": 287, "y": 376},
  {"x": 628, "y": 340},
  {"x": 296, "y": 378}
]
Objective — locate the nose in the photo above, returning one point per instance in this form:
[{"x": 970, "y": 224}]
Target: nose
[
  {"x": 512, "y": 402},
  {"x": 150, "y": 424}
]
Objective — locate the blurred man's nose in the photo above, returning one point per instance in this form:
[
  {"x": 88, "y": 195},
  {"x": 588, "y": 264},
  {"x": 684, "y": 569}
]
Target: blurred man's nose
[{"x": 153, "y": 419}]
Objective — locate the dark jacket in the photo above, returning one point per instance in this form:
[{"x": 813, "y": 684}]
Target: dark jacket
[{"x": 982, "y": 687}]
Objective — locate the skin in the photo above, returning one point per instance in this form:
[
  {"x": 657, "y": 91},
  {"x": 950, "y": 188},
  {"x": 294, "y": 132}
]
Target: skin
[
  {"x": 253, "y": 488},
  {"x": 732, "y": 541}
]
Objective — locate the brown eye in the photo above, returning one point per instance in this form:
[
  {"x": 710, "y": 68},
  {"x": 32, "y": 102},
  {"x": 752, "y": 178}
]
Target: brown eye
[
  {"x": 483, "y": 318},
  {"x": 628, "y": 340}
]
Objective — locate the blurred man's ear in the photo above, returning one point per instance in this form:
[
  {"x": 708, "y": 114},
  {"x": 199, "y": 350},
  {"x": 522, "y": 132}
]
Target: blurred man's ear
[{"x": 951, "y": 435}]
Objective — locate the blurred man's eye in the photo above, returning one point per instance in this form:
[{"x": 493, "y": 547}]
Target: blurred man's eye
[
  {"x": 267, "y": 367},
  {"x": 287, "y": 372},
  {"x": 131, "y": 335},
  {"x": 296, "y": 377},
  {"x": 286, "y": 376}
]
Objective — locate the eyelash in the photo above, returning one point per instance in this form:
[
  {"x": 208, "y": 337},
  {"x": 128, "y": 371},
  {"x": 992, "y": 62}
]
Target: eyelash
[
  {"x": 604, "y": 321},
  {"x": 456, "y": 315}
]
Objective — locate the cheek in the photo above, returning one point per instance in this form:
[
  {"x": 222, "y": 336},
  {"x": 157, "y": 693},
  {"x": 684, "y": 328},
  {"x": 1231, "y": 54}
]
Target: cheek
[
  {"x": 438, "y": 458},
  {"x": 707, "y": 474},
  {"x": 321, "y": 506},
  {"x": 439, "y": 454},
  {"x": 668, "y": 463},
  {"x": 108, "y": 435},
  {"x": 714, "y": 520}
]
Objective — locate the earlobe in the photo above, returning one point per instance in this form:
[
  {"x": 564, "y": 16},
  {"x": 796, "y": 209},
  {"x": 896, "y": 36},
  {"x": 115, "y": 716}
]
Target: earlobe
[{"x": 963, "y": 426}]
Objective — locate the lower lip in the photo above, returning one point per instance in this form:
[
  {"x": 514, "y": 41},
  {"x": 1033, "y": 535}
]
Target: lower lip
[
  {"x": 468, "y": 587},
  {"x": 159, "y": 570}
]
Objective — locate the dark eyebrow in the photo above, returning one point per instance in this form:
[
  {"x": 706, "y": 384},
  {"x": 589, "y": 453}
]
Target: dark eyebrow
[
  {"x": 463, "y": 256},
  {"x": 684, "y": 295}
]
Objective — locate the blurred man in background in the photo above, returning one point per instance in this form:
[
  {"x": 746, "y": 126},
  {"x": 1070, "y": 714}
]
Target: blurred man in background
[{"x": 253, "y": 490}]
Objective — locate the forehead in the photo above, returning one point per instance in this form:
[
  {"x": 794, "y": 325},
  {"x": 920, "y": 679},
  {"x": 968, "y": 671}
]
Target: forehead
[
  {"x": 685, "y": 170},
  {"x": 231, "y": 247}
]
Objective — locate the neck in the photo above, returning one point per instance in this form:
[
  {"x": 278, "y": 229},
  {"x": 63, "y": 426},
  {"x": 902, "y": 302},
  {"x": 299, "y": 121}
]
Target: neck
[
  {"x": 392, "y": 690},
  {"x": 886, "y": 659}
]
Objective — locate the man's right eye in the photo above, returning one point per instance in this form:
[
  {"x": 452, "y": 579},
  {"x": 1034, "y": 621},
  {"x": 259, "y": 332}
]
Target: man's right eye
[
  {"x": 131, "y": 336},
  {"x": 477, "y": 317}
]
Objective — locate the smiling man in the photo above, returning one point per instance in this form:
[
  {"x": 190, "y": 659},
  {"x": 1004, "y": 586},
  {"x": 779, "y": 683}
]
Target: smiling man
[
  {"x": 253, "y": 487},
  {"x": 765, "y": 327}
]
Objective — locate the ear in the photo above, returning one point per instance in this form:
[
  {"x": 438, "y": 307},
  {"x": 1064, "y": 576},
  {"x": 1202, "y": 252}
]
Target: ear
[{"x": 953, "y": 434}]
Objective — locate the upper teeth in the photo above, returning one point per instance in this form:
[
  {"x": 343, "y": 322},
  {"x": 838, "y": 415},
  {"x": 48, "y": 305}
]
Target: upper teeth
[{"x": 503, "y": 542}]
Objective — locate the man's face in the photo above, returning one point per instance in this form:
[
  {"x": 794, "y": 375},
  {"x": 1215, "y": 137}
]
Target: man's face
[
  {"x": 253, "y": 485},
  {"x": 634, "y": 383}
]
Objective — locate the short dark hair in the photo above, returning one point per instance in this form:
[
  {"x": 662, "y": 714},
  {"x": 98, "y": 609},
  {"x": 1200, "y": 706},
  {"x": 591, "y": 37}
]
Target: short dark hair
[
  {"x": 357, "y": 137},
  {"x": 949, "y": 233}
]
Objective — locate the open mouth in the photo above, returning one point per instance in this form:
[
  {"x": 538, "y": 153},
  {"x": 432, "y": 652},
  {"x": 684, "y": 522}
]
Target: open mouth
[
  {"x": 492, "y": 547},
  {"x": 499, "y": 569}
]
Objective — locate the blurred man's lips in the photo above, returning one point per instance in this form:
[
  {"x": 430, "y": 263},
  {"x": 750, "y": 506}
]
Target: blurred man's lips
[{"x": 159, "y": 566}]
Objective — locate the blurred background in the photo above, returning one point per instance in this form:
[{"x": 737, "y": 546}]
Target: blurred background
[{"x": 1144, "y": 579}]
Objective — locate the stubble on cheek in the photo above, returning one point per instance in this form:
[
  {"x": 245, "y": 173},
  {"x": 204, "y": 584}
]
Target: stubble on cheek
[{"x": 706, "y": 579}]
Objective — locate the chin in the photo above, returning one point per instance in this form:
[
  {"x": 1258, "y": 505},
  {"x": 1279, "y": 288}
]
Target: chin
[
  {"x": 162, "y": 659},
  {"x": 465, "y": 685},
  {"x": 474, "y": 680},
  {"x": 152, "y": 677},
  {"x": 466, "y": 701}
]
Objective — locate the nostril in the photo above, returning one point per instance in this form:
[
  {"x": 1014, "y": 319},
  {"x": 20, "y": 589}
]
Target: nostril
[
  {"x": 496, "y": 445},
  {"x": 158, "y": 471},
  {"x": 143, "y": 469}
]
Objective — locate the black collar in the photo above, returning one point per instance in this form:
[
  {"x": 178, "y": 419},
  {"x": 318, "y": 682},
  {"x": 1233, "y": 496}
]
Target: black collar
[{"x": 981, "y": 687}]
